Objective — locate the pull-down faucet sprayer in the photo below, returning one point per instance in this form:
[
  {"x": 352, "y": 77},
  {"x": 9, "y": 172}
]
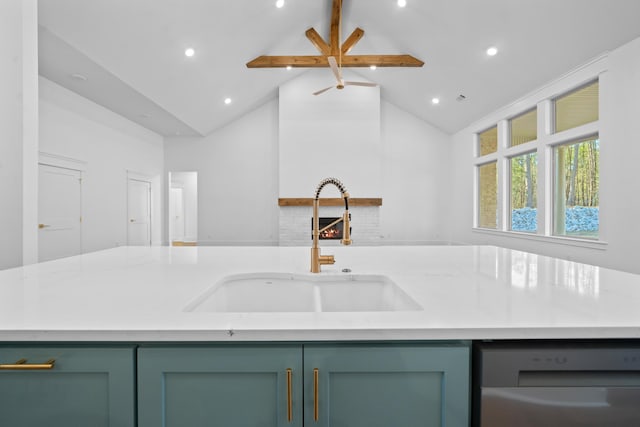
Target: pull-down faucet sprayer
[{"x": 316, "y": 259}]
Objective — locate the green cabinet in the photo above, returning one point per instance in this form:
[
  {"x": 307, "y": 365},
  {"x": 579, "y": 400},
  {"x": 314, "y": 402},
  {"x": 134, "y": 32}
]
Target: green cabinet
[
  {"x": 67, "y": 386},
  {"x": 292, "y": 385},
  {"x": 220, "y": 386},
  {"x": 421, "y": 385},
  {"x": 387, "y": 385}
]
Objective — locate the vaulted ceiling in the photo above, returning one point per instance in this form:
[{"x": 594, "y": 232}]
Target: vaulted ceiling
[{"x": 128, "y": 55}]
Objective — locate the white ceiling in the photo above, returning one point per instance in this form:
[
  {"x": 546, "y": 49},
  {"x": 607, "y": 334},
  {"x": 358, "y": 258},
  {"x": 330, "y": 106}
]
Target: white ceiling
[{"x": 132, "y": 52}]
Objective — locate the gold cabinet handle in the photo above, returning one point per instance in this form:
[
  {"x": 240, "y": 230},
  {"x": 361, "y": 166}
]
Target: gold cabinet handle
[
  {"x": 22, "y": 365},
  {"x": 289, "y": 395},
  {"x": 41, "y": 226},
  {"x": 315, "y": 394}
]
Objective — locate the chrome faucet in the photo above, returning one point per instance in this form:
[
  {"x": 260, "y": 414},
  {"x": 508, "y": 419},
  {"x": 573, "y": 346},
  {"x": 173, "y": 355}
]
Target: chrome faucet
[{"x": 316, "y": 258}]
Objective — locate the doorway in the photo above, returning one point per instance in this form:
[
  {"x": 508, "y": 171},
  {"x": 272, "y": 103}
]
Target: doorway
[
  {"x": 139, "y": 212},
  {"x": 177, "y": 214},
  {"x": 59, "y": 212},
  {"x": 183, "y": 208}
]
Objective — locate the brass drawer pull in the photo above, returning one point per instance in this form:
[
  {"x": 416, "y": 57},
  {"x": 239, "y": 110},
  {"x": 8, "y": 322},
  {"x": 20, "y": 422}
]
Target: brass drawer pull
[
  {"x": 315, "y": 394},
  {"x": 289, "y": 397},
  {"x": 22, "y": 365}
]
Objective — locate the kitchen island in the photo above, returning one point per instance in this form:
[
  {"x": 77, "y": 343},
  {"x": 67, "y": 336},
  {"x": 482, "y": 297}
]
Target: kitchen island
[
  {"x": 112, "y": 338},
  {"x": 465, "y": 292}
]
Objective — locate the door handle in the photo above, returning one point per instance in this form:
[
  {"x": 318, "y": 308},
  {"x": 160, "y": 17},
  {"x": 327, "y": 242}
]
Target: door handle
[
  {"x": 132, "y": 220},
  {"x": 41, "y": 226},
  {"x": 22, "y": 365},
  {"x": 316, "y": 374},
  {"x": 289, "y": 395}
]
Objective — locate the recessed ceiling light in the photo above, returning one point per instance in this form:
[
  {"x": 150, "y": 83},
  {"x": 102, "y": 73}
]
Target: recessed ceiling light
[
  {"x": 227, "y": 101},
  {"x": 402, "y": 3},
  {"x": 492, "y": 51},
  {"x": 372, "y": 67},
  {"x": 189, "y": 52},
  {"x": 279, "y": 3},
  {"x": 289, "y": 67},
  {"x": 435, "y": 101}
]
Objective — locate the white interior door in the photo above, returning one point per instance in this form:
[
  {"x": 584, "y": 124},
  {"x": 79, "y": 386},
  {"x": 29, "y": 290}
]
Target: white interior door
[
  {"x": 59, "y": 212},
  {"x": 139, "y": 211},
  {"x": 177, "y": 214}
]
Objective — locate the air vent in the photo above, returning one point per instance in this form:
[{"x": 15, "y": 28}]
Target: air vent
[{"x": 78, "y": 77}]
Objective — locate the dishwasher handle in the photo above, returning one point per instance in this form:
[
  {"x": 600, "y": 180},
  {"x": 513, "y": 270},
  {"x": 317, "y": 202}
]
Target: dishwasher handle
[{"x": 579, "y": 379}]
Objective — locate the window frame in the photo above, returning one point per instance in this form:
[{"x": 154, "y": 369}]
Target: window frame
[
  {"x": 543, "y": 146},
  {"x": 554, "y": 190}
]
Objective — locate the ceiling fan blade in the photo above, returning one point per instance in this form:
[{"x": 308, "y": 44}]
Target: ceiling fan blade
[
  {"x": 334, "y": 67},
  {"x": 322, "y": 90},
  {"x": 367, "y": 84}
]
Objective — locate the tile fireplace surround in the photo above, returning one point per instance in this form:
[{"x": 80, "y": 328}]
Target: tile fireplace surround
[{"x": 295, "y": 223}]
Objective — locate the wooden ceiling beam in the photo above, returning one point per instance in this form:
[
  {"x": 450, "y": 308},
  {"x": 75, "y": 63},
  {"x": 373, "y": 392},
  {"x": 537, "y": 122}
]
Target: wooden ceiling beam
[
  {"x": 318, "y": 41},
  {"x": 347, "y": 61},
  {"x": 354, "y": 38},
  {"x": 334, "y": 33},
  {"x": 286, "y": 61},
  {"x": 381, "y": 61},
  {"x": 334, "y": 49}
]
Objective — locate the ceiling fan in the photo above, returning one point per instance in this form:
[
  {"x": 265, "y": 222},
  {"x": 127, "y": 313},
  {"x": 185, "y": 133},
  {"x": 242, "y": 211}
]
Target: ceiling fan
[
  {"x": 334, "y": 49},
  {"x": 337, "y": 71}
]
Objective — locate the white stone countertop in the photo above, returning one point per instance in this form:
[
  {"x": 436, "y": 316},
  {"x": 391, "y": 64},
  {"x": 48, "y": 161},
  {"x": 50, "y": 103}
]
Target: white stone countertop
[{"x": 136, "y": 294}]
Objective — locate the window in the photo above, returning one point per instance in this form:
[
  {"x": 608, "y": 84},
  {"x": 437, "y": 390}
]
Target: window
[
  {"x": 576, "y": 183},
  {"x": 488, "y": 196},
  {"x": 524, "y": 197},
  {"x": 488, "y": 141},
  {"x": 524, "y": 128},
  {"x": 508, "y": 198},
  {"x": 577, "y": 108}
]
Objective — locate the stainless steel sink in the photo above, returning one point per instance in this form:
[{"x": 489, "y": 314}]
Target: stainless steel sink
[{"x": 281, "y": 292}]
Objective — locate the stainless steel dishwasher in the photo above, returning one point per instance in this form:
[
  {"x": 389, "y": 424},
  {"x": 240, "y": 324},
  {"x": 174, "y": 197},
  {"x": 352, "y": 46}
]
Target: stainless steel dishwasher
[{"x": 557, "y": 385}]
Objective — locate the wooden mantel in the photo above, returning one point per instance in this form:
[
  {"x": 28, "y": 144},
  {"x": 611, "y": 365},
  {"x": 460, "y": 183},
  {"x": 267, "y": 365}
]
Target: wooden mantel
[{"x": 308, "y": 201}]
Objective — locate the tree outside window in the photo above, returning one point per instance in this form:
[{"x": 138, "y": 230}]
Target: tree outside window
[
  {"x": 524, "y": 194},
  {"x": 577, "y": 177}
]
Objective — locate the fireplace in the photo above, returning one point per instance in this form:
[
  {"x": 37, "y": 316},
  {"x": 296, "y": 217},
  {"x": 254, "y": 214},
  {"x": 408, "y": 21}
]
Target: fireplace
[
  {"x": 294, "y": 224},
  {"x": 332, "y": 233}
]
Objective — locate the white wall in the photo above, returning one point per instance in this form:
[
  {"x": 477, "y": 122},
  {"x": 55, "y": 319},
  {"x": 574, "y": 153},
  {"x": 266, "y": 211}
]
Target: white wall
[
  {"x": 620, "y": 204},
  {"x": 237, "y": 170},
  {"x": 415, "y": 165},
  {"x": 619, "y": 73},
  {"x": 238, "y": 176},
  {"x": 30, "y": 131},
  {"x": 18, "y": 127},
  {"x": 110, "y": 146},
  {"x": 335, "y": 134}
]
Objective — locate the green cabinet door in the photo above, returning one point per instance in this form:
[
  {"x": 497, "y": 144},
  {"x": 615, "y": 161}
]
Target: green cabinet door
[
  {"x": 220, "y": 386},
  {"x": 386, "y": 385},
  {"x": 82, "y": 387}
]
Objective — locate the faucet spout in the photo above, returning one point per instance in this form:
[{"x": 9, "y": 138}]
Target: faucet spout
[{"x": 316, "y": 258}]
